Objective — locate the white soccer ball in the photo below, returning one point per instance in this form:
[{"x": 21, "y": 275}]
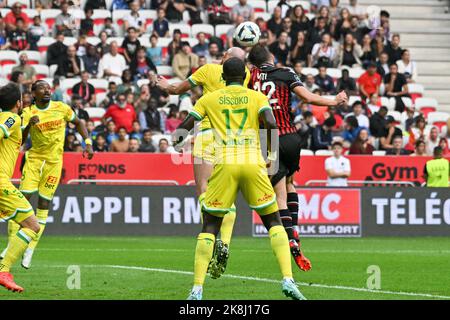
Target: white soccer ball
[{"x": 247, "y": 34}]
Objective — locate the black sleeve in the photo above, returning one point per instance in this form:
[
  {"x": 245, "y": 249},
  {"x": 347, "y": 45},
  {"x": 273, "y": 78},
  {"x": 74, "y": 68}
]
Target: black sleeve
[{"x": 291, "y": 78}]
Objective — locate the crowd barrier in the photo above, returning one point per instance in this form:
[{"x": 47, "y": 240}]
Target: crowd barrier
[{"x": 324, "y": 212}]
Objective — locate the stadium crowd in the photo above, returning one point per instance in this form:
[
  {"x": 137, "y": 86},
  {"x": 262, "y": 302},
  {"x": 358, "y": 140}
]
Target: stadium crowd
[{"x": 331, "y": 47}]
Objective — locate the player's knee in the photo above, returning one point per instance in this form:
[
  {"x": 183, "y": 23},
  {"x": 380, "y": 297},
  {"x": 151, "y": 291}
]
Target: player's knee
[
  {"x": 271, "y": 220},
  {"x": 35, "y": 227}
]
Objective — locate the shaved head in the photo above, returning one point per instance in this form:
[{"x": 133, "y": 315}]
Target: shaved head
[{"x": 234, "y": 52}]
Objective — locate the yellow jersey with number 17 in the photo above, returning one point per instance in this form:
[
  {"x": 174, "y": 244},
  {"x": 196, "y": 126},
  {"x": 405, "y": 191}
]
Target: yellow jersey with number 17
[
  {"x": 234, "y": 115},
  {"x": 209, "y": 77},
  {"x": 47, "y": 136},
  {"x": 10, "y": 142}
]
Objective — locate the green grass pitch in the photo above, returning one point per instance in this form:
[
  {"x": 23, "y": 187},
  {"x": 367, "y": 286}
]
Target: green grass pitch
[{"x": 161, "y": 268}]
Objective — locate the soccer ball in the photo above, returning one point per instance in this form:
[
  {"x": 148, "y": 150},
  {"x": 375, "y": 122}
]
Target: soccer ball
[{"x": 247, "y": 34}]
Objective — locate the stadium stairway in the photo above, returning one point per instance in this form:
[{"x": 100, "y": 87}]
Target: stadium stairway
[{"x": 424, "y": 27}]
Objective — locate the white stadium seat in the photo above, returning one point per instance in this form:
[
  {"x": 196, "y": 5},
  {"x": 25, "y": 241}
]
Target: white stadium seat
[
  {"x": 183, "y": 27},
  {"x": 42, "y": 71},
  {"x": 396, "y": 115},
  {"x": 34, "y": 57},
  {"x": 7, "y": 70},
  {"x": 426, "y": 105},
  {"x": 306, "y": 152},
  {"x": 334, "y": 73},
  {"x": 355, "y": 73},
  {"x": 385, "y": 101},
  {"x": 93, "y": 41},
  {"x": 44, "y": 43},
  {"x": 230, "y": 3},
  {"x": 313, "y": 71},
  {"x": 142, "y": 82},
  {"x": 438, "y": 119},
  {"x": 324, "y": 153},
  {"x": 100, "y": 85},
  {"x": 305, "y": 4},
  {"x": 8, "y": 57},
  {"x": 67, "y": 84},
  {"x": 202, "y": 27},
  {"x": 379, "y": 153},
  {"x": 99, "y": 98},
  {"x": 165, "y": 71},
  {"x": 24, "y": 3},
  {"x": 353, "y": 99},
  {"x": 265, "y": 15},
  {"x": 48, "y": 16},
  {"x": 95, "y": 113},
  {"x": 259, "y": 5},
  {"x": 119, "y": 40},
  {"x": 69, "y": 41},
  {"x": 192, "y": 41},
  {"x": 407, "y": 102}
]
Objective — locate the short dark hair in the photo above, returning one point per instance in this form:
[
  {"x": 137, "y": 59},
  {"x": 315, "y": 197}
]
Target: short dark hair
[
  {"x": 307, "y": 114},
  {"x": 352, "y": 121},
  {"x": 384, "y": 13},
  {"x": 120, "y": 128},
  {"x": 330, "y": 122},
  {"x": 163, "y": 139},
  {"x": 419, "y": 142},
  {"x": 131, "y": 28},
  {"x": 234, "y": 68},
  {"x": 383, "y": 108},
  {"x": 9, "y": 95},
  {"x": 258, "y": 55},
  {"x": 337, "y": 143},
  {"x": 393, "y": 64},
  {"x": 357, "y": 103},
  {"x": 36, "y": 83},
  {"x": 146, "y": 131},
  {"x": 438, "y": 150}
]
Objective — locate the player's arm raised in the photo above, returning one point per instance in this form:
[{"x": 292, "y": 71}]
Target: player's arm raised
[
  {"x": 317, "y": 100},
  {"x": 88, "y": 152},
  {"x": 175, "y": 88}
]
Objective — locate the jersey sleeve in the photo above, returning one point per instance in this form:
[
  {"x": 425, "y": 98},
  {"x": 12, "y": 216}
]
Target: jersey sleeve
[
  {"x": 198, "y": 78},
  {"x": 69, "y": 114},
  {"x": 25, "y": 118},
  {"x": 7, "y": 125},
  {"x": 292, "y": 79},
  {"x": 199, "y": 110},
  {"x": 263, "y": 103}
]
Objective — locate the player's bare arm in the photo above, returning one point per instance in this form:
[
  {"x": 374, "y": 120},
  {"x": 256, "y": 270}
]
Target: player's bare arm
[
  {"x": 175, "y": 89},
  {"x": 315, "y": 99},
  {"x": 180, "y": 134},
  {"x": 88, "y": 151},
  {"x": 33, "y": 121}
]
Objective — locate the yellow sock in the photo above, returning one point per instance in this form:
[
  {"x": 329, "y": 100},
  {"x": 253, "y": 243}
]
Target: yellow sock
[
  {"x": 203, "y": 255},
  {"x": 280, "y": 246},
  {"x": 226, "y": 230},
  {"x": 16, "y": 247},
  {"x": 41, "y": 215}
]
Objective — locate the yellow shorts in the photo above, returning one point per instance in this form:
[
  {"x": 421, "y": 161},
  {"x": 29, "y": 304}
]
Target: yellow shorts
[
  {"x": 13, "y": 204},
  {"x": 42, "y": 176},
  {"x": 204, "y": 146},
  {"x": 226, "y": 181}
]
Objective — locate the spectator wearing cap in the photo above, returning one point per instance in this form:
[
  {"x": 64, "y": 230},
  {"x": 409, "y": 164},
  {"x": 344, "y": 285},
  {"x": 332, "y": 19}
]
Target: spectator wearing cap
[
  {"x": 378, "y": 122},
  {"x": 184, "y": 61},
  {"x": 325, "y": 82},
  {"x": 28, "y": 70},
  {"x": 78, "y": 107},
  {"x": 131, "y": 44},
  {"x": 70, "y": 65},
  {"x": 122, "y": 113},
  {"x": 369, "y": 82},
  {"x": 112, "y": 64},
  {"x": 12, "y": 16},
  {"x": 201, "y": 48},
  {"x": 65, "y": 22},
  {"x": 407, "y": 67},
  {"x": 161, "y": 25},
  {"x": 18, "y": 38},
  {"x": 57, "y": 50},
  {"x": 35, "y": 32},
  {"x": 85, "y": 90},
  {"x": 322, "y": 135},
  {"x": 390, "y": 132},
  {"x": 242, "y": 8},
  {"x": 397, "y": 147},
  {"x": 337, "y": 167},
  {"x": 396, "y": 86}
]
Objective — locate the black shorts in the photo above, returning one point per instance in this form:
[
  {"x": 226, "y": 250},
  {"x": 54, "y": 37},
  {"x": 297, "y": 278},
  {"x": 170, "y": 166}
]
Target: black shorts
[{"x": 289, "y": 156}]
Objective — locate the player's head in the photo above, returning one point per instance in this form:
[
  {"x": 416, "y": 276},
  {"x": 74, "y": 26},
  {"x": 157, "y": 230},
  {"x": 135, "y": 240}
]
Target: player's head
[
  {"x": 259, "y": 55},
  {"x": 10, "y": 98},
  {"x": 437, "y": 152},
  {"x": 233, "y": 52},
  {"x": 41, "y": 91},
  {"x": 234, "y": 70}
]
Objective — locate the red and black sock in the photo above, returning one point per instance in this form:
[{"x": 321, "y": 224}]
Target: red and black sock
[
  {"x": 286, "y": 219},
  {"x": 292, "y": 203}
]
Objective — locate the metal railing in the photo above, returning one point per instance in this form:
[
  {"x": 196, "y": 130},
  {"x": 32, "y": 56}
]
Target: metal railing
[
  {"x": 123, "y": 181},
  {"x": 363, "y": 182},
  {"x": 424, "y": 184}
]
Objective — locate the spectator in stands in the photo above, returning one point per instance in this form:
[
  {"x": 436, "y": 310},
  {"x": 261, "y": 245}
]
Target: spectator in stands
[
  {"x": 397, "y": 147},
  {"x": 29, "y": 73},
  {"x": 57, "y": 50},
  {"x": 243, "y": 9},
  {"x": 356, "y": 30},
  {"x": 310, "y": 83},
  {"x": 141, "y": 65},
  {"x": 275, "y": 24},
  {"x": 69, "y": 142},
  {"x": 393, "y": 49},
  {"x": 161, "y": 25},
  {"x": 396, "y": 86},
  {"x": 420, "y": 149},
  {"x": 119, "y": 5},
  {"x": 382, "y": 65},
  {"x": 87, "y": 24},
  {"x": 35, "y": 32},
  {"x": 134, "y": 19},
  {"x": 27, "y": 99},
  {"x": 3, "y": 35},
  {"x": 356, "y": 10},
  {"x": 342, "y": 25},
  {"x": 127, "y": 84},
  {"x": 301, "y": 50},
  {"x": 91, "y": 60},
  {"x": 352, "y": 129},
  {"x": 443, "y": 143},
  {"x": 174, "y": 10},
  {"x": 175, "y": 45},
  {"x": 122, "y": 113},
  {"x": 112, "y": 64},
  {"x": 17, "y": 77},
  {"x": 121, "y": 144},
  {"x": 155, "y": 51},
  {"x": 416, "y": 132},
  {"x": 378, "y": 122},
  {"x": 432, "y": 141},
  {"x": 322, "y": 13},
  {"x": 70, "y": 65},
  {"x": 407, "y": 67},
  {"x": 184, "y": 61},
  {"x": 95, "y": 4},
  {"x": 18, "y": 38},
  {"x": 163, "y": 145},
  {"x": 201, "y": 48},
  {"x": 362, "y": 144},
  {"x": 300, "y": 22},
  {"x": 280, "y": 49},
  {"x": 109, "y": 28},
  {"x": 350, "y": 53},
  {"x": 231, "y": 42},
  {"x": 172, "y": 122},
  {"x": 57, "y": 93},
  {"x": 369, "y": 82},
  {"x": 390, "y": 132},
  {"x": 136, "y": 133},
  {"x": 323, "y": 53},
  {"x": 369, "y": 52},
  {"x": 111, "y": 134},
  {"x": 358, "y": 113},
  {"x": 103, "y": 47},
  {"x": 322, "y": 136},
  {"x": 131, "y": 44},
  {"x": 150, "y": 118},
  {"x": 325, "y": 82},
  {"x": 78, "y": 107},
  {"x": 12, "y": 16},
  {"x": 85, "y": 90},
  {"x": 147, "y": 142},
  {"x": 100, "y": 143},
  {"x": 337, "y": 167},
  {"x": 65, "y": 22},
  {"x": 133, "y": 145},
  {"x": 305, "y": 128},
  {"x": 346, "y": 83}
]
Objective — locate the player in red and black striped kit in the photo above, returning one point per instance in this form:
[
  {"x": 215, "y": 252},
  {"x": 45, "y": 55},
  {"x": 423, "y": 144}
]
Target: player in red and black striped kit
[{"x": 278, "y": 84}]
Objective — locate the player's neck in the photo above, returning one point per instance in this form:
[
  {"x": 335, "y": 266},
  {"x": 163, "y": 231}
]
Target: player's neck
[
  {"x": 42, "y": 105},
  {"x": 234, "y": 83}
]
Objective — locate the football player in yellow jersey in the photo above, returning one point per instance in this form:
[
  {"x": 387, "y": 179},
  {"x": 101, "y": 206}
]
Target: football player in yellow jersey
[
  {"x": 13, "y": 205},
  {"x": 46, "y": 122},
  {"x": 209, "y": 77},
  {"x": 235, "y": 113}
]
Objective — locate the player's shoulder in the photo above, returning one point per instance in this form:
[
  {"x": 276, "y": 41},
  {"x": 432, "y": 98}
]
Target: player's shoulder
[
  {"x": 59, "y": 105},
  {"x": 255, "y": 94},
  {"x": 9, "y": 119},
  {"x": 210, "y": 67}
]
